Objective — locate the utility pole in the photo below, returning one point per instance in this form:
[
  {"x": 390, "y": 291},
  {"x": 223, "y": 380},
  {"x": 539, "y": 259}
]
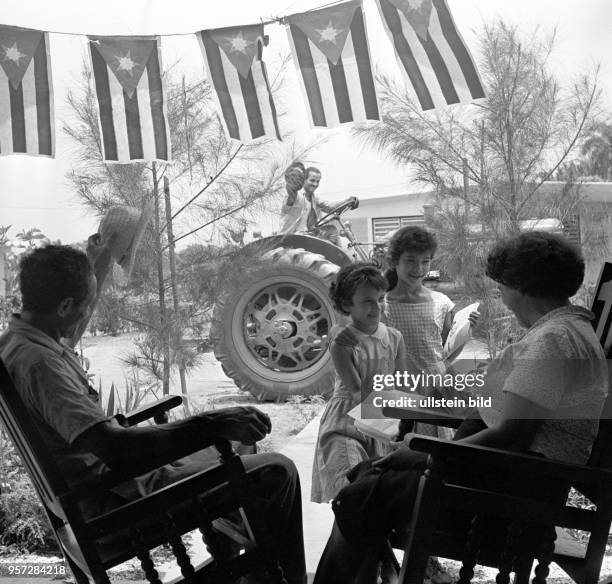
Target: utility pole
[{"x": 175, "y": 297}]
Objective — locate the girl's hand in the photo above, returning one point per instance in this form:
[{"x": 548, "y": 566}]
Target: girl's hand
[
  {"x": 346, "y": 338},
  {"x": 475, "y": 318}
]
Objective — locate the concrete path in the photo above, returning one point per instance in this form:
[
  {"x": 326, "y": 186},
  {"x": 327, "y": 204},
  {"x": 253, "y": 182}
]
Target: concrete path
[{"x": 318, "y": 519}]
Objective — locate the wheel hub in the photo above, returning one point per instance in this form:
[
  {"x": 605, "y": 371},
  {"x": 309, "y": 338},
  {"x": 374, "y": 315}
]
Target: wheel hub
[
  {"x": 283, "y": 329},
  {"x": 286, "y": 327}
]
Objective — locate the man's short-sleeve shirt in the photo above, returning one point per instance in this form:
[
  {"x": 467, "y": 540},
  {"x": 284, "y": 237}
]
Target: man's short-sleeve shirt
[
  {"x": 295, "y": 217},
  {"x": 56, "y": 391},
  {"x": 559, "y": 365}
]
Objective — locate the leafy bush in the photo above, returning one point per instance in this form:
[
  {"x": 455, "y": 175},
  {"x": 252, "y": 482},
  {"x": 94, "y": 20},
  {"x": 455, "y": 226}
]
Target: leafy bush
[{"x": 23, "y": 522}]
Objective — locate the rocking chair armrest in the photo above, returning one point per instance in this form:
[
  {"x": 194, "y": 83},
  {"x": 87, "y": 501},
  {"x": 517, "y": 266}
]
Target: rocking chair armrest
[
  {"x": 208, "y": 482},
  {"x": 433, "y": 417},
  {"x": 516, "y": 462},
  {"x": 156, "y": 410},
  {"x": 102, "y": 483}
]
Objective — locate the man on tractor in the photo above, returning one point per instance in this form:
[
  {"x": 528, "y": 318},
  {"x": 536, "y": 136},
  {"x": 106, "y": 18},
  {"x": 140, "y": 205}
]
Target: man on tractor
[{"x": 301, "y": 210}]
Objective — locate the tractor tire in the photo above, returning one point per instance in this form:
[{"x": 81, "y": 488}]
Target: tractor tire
[{"x": 270, "y": 333}]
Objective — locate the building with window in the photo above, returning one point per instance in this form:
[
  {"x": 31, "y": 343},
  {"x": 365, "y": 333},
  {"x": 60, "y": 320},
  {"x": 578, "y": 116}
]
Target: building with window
[{"x": 377, "y": 216}]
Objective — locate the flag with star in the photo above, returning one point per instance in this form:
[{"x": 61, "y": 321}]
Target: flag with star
[
  {"x": 431, "y": 53},
  {"x": 26, "y": 96},
  {"x": 330, "y": 49},
  {"x": 233, "y": 59},
  {"x": 131, "y": 98}
]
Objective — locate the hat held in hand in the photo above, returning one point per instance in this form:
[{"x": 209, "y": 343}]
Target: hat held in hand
[{"x": 128, "y": 224}]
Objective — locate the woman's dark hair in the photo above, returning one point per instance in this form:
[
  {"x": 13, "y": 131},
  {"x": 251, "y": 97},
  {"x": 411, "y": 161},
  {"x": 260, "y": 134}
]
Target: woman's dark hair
[
  {"x": 538, "y": 264},
  {"x": 349, "y": 278},
  {"x": 52, "y": 273},
  {"x": 412, "y": 238}
]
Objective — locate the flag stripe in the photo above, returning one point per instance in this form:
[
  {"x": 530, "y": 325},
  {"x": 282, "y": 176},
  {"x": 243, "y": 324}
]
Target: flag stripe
[
  {"x": 440, "y": 69},
  {"x": 353, "y": 81},
  {"x": 215, "y": 69},
  {"x": 446, "y": 52},
  {"x": 17, "y": 116},
  {"x": 340, "y": 89},
  {"x": 236, "y": 98},
  {"x": 265, "y": 99},
  {"x": 105, "y": 104},
  {"x": 118, "y": 117},
  {"x": 359, "y": 42},
  {"x": 132, "y": 119},
  {"x": 311, "y": 83},
  {"x": 264, "y": 91},
  {"x": 43, "y": 98},
  {"x": 323, "y": 74},
  {"x": 6, "y": 129},
  {"x": 460, "y": 50},
  {"x": 420, "y": 56},
  {"x": 146, "y": 118},
  {"x": 28, "y": 85},
  {"x": 251, "y": 104},
  {"x": 158, "y": 114},
  {"x": 404, "y": 53}
]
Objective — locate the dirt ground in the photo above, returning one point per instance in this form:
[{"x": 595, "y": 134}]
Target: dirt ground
[{"x": 208, "y": 388}]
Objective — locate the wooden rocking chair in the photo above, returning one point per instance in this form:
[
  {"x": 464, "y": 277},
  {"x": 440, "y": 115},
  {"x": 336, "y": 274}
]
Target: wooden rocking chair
[
  {"x": 203, "y": 501},
  {"x": 510, "y": 531}
]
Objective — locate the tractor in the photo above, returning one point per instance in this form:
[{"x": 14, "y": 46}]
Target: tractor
[{"x": 270, "y": 328}]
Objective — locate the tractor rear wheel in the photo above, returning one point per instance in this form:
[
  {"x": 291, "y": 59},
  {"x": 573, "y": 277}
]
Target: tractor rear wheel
[{"x": 271, "y": 334}]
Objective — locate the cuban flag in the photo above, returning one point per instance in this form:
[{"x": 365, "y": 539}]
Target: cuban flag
[
  {"x": 602, "y": 308},
  {"x": 131, "y": 98},
  {"x": 235, "y": 67},
  {"x": 431, "y": 53},
  {"x": 26, "y": 97},
  {"x": 330, "y": 49}
]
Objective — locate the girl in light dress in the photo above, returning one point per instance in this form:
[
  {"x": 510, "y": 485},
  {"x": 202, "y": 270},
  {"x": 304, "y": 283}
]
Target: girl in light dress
[
  {"x": 423, "y": 316},
  {"x": 359, "y": 292}
]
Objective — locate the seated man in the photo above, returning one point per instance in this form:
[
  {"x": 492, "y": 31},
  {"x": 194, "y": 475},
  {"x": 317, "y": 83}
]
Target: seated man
[
  {"x": 59, "y": 288},
  {"x": 301, "y": 209}
]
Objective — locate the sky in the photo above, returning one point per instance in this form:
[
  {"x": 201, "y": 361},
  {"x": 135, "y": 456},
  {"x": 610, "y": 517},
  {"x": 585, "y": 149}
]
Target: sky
[{"x": 35, "y": 193}]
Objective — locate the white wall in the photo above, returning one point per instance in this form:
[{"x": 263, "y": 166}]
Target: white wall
[{"x": 396, "y": 205}]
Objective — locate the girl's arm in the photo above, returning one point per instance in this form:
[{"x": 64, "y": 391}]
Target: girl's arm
[
  {"x": 400, "y": 358},
  {"x": 404, "y": 426},
  {"x": 343, "y": 362},
  {"x": 474, "y": 318},
  {"x": 448, "y": 323}
]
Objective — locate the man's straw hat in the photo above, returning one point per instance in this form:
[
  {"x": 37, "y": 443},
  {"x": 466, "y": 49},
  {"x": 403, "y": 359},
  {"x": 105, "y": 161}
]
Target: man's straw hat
[{"x": 129, "y": 225}]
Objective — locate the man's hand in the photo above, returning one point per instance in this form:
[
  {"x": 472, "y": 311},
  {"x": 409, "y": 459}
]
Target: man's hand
[
  {"x": 354, "y": 202},
  {"x": 244, "y": 424},
  {"x": 294, "y": 177},
  {"x": 99, "y": 254}
]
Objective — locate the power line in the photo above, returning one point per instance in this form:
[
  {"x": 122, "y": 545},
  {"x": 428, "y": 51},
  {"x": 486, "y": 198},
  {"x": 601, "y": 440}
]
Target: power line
[
  {"x": 39, "y": 208},
  {"x": 271, "y": 20}
]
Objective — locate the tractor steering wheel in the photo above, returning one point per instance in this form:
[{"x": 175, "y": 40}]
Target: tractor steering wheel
[{"x": 336, "y": 212}]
